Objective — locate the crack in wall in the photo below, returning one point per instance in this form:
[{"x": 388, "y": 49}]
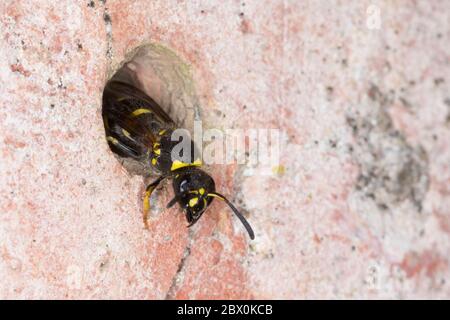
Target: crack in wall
[
  {"x": 109, "y": 36},
  {"x": 178, "y": 277}
]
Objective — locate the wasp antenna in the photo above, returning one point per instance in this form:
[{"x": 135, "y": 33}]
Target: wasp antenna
[
  {"x": 236, "y": 212},
  {"x": 172, "y": 202}
]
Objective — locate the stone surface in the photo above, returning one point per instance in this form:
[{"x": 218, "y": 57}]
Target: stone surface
[{"x": 360, "y": 91}]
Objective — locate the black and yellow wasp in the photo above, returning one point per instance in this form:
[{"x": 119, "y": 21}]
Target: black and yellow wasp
[{"x": 137, "y": 127}]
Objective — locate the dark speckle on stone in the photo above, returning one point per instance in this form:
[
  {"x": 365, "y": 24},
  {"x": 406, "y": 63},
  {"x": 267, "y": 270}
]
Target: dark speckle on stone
[
  {"x": 91, "y": 4},
  {"x": 351, "y": 122},
  {"x": 330, "y": 91},
  {"x": 438, "y": 81},
  {"x": 333, "y": 143},
  {"x": 447, "y": 103},
  {"x": 405, "y": 102},
  {"x": 374, "y": 93},
  {"x": 107, "y": 17},
  {"x": 61, "y": 85},
  {"x": 382, "y": 206}
]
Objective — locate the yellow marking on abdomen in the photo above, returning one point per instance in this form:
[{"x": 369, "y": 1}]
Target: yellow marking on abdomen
[
  {"x": 112, "y": 140},
  {"x": 140, "y": 111},
  {"x": 127, "y": 134}
]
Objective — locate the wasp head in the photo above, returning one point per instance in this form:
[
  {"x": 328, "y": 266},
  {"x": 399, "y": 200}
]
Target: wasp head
[
  {"x": 194, "y": 191},
  {"x": 192, "y": 187}
]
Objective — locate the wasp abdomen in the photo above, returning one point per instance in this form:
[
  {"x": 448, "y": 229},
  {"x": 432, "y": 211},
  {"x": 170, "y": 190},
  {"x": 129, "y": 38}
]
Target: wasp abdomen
[{"x": 133, "y": 121}]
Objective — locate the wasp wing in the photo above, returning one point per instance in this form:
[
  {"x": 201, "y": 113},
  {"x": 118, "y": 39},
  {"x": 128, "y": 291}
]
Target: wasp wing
[{"x": 132, "y": 120}]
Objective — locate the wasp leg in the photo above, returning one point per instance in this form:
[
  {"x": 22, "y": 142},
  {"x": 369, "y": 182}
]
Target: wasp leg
[
  {"x": 148, "y": 192},
  {"x": 192, "y": 221}
]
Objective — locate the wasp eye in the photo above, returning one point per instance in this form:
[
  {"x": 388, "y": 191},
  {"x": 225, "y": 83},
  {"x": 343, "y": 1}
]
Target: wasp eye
[{"x": 183, "y": 186}]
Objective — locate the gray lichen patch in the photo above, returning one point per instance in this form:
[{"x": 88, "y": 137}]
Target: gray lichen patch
[{"x": 391, "y": 170}]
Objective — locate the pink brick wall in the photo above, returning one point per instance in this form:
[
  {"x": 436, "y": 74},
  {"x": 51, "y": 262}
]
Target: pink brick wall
[{"x": 361, "y": 211}]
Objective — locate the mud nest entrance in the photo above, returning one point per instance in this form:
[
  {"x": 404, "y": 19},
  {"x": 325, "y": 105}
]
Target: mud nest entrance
[{"x": 167, "y": 79}]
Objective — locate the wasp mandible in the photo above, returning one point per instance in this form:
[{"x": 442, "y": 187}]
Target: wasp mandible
[{"x": 137, "y": 127}]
